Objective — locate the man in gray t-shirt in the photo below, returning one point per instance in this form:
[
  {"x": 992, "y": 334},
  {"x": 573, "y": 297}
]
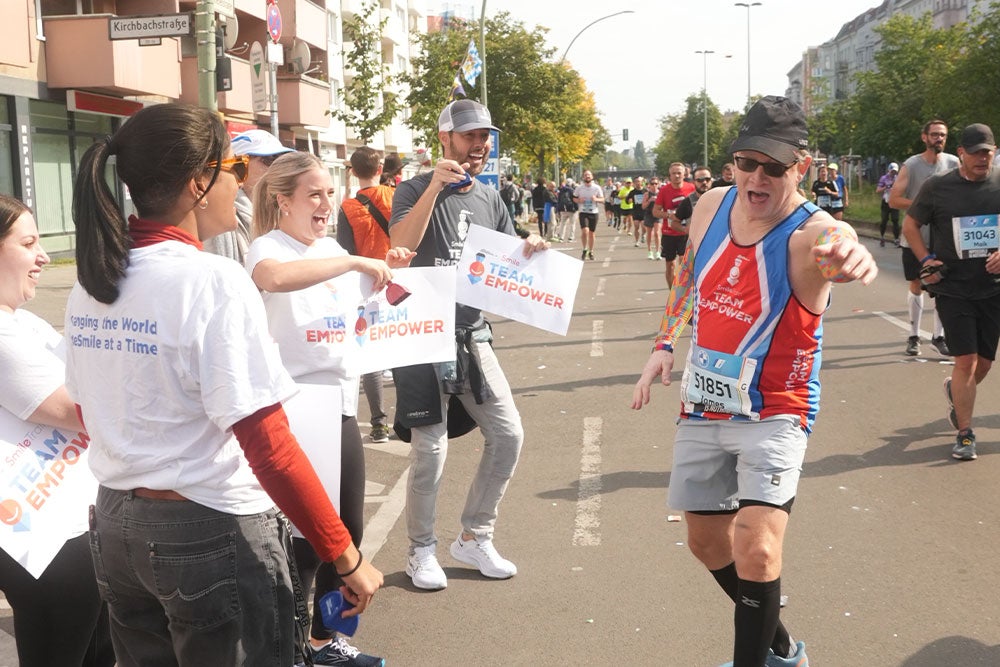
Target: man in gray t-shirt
[
  {"x": 917, "y": 169},
  {"x": 432, "y": 213}
]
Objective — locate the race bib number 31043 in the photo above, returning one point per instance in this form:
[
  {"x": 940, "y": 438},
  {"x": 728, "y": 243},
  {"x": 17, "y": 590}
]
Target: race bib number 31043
[{"x": 975, "y": 235}]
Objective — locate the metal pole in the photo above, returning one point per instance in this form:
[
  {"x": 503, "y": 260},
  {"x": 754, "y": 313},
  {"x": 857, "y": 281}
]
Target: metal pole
[
  {"x": 748, "y": 5},
  {"x": 482, "y": 51},
  {"x": 272, "y": 73},
  {"x": 561, "y": 60},
  {"x": 704, "y": 101},
  {"x": 204, "y": 28}
]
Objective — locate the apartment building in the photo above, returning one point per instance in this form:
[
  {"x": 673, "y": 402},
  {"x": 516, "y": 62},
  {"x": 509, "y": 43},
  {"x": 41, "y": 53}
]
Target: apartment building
[
  {"x": 65, "y": 83},
  {"x": 826, "y": 73}
]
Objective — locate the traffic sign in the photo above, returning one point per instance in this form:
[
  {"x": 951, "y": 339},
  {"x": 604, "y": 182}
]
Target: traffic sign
[
  {"x": 257, "y": 86},
  {"x": 274, "y": 22},
  {"x": 156, "y": 25}
]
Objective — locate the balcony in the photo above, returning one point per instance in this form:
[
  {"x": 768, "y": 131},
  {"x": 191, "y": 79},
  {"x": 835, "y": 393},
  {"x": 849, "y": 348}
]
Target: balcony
[
  {"x": 395, "y": 31},
  {"x": 352, "y": 8},
  {"x": 303, "y": 101},
  {"x": 78, "y": 54},
  {"x": 304, "y": 20},
  {"x": 15, "y": 47}
]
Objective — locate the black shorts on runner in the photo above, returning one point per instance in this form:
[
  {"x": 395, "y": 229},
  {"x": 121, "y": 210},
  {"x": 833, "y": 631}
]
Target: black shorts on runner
[
  {"x": 971, "y": 326},
  {"x": 588, "y": 221},
  {"x": 911, "y": 266},
  {"x": 672, "y": 247},
  {"x": 638, "y": 214}
]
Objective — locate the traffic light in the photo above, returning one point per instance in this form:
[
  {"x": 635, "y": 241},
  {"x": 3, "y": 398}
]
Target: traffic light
[{"x": 625, "y": 134}]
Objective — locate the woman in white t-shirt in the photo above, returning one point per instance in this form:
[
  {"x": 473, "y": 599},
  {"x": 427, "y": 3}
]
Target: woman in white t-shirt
[
  {"x": 180, "y": 387},
  {"x": 58, "y": 618},
  {"x": 312, "y": 315}
]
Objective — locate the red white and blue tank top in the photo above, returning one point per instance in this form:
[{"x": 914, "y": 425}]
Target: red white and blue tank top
[{"x": 755, "y": 349}]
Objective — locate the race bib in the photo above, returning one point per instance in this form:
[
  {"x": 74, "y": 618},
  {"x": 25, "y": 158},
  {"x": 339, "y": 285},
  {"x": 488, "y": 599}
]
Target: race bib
[
  {"x": 718, "y": 382},
  {"x": 823, "y": 201},
  {"x": 588, "y": 206},
  {"x": 976, "y": 235},
  {"x": 638, "y": 198}
]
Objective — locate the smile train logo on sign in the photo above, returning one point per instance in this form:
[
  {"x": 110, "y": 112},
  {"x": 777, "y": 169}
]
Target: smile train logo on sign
[{"x": 477, "y": 268}]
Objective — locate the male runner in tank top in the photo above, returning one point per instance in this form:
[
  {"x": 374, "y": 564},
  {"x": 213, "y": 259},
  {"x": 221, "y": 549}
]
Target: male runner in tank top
[{"x": 750, "y": 390}]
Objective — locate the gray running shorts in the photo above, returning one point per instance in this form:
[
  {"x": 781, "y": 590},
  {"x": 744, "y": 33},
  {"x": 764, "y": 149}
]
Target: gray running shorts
[{"x": 718, "y": 463}]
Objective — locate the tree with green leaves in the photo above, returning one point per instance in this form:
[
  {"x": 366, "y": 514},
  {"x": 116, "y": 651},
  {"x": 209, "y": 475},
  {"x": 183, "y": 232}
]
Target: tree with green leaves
[
  {"x": 540, "y": 105},
  {"x": 369, "y": 101}
]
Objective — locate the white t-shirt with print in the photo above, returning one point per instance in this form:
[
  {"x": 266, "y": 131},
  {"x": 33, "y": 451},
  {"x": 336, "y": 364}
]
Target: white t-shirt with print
[
  {"x": 312, "y": 326},
  {"x": 164, "y": 372},
  {"x": 32, "y": 362}
]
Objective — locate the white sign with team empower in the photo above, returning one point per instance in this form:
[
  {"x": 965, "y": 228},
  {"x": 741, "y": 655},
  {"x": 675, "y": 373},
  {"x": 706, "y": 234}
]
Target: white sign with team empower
[
  {"x": 314, "y": 419},
  {"x": 45, "y": 489},
  {"x": 411, "y": 321},
  {"x": 494, "y": 275}
]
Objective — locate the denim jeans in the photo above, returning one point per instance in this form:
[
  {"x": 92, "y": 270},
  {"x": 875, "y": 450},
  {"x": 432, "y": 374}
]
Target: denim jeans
[
  {"x": 500, "y": 424},
  {"x": 190, "y": 586}
]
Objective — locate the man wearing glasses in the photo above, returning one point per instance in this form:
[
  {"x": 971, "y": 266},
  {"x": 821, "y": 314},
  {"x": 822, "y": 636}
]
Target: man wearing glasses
[
  {"x": 917, "y": 169},
  {"x": 262, "y": 148},
  {"x": 750, "y": 390}
]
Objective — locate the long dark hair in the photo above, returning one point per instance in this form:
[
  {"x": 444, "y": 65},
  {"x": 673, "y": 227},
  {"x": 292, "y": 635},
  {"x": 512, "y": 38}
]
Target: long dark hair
[
  {"x": 10, "y": 210},
  {"x": 158, "y": 151}
]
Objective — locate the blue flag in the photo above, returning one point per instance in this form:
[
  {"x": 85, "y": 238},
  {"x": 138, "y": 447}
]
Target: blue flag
[{"x": 472, "y": 67}]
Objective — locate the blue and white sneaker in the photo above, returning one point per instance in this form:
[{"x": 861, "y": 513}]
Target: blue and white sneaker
[
  {"x": 798, "y": 660},
  {"x": 965, "y": 446},
  {"x": 340, "y": 653}
]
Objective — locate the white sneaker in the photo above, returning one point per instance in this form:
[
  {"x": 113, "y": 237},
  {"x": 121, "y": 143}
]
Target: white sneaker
[
  {"x": 484, "y": 556},
  {"x": 422, "y": 566}
]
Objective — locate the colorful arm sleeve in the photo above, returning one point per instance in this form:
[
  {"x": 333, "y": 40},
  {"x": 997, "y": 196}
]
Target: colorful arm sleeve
[{"x": 680, "y": 304}]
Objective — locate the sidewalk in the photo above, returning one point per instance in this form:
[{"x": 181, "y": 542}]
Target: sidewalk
[{"x": 53, "y": 290}]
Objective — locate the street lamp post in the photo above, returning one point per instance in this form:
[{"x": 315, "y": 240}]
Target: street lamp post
[
  {"x": 748, "y": 5},
  {"x": 482, "y": 51},
  {"x": 704, "y": 100},
  {"x": 561, "y": 60}
]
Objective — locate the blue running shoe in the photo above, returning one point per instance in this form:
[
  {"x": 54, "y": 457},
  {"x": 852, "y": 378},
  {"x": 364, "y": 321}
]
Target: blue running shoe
[
  {"x": 798, "y": 660},
  {"x": 965, "y": 446},
  {"x": 340, "y": 653}
]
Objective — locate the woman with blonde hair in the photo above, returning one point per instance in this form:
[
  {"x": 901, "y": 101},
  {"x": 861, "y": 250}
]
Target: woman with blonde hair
[{"x": 296, "y": 265}]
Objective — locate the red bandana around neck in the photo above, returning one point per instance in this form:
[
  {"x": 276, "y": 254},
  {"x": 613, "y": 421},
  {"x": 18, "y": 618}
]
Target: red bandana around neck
[{"x": 147, "y": 232}]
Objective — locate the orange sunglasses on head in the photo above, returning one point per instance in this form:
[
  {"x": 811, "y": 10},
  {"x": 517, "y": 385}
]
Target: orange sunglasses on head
[{"x": 236, "y": 165}]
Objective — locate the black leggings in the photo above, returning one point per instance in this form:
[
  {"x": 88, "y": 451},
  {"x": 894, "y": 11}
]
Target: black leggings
[
  {"x": 59, "y": 619},
  {"x": 887, "y": 213},
  {"x": 352, "y": 513}
]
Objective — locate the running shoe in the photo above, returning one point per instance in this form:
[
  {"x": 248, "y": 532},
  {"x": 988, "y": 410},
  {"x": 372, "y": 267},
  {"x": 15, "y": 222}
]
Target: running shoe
[
  {"x": 941, "y": 345},
  {"x": 484, "y": 556},
  {"x": 590, "y": 254},
  {"x": 881, "y": 243},
  {"x": 380, "y": 433},
  {"x": 340, "y": 653},
  {"x": 798, "y": 660},
  {"x": 952, "y": 415},
  {"x": 422, "y": 566},
  {"x": 965, "y": 446},
  {"x": 913, "y": 346},
  {"x": 583, "y": 255}
]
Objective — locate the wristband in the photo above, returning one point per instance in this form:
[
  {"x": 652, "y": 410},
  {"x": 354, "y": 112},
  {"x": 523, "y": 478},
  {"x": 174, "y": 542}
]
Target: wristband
[
  {"x": 929, "y": 256},
  {"x": 354, "y": 569},
  {"x": 663, "y": 345}
]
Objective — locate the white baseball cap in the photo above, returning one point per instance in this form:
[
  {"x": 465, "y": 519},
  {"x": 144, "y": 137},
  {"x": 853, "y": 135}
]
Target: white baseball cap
[
  {"x": 258, "y": 142},
  {"x": 893, "y": 166}
]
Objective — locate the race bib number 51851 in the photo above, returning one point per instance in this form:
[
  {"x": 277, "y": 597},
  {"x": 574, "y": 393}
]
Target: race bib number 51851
[{"x": 718, "y": 382}]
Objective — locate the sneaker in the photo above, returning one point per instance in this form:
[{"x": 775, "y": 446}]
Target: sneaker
[
  {"x": 636, "y": 244},
  {"x": 881, "y": 243},
  {"x": 422, "y": 566},
  {"x": 339, "y": 652},
  {"x": 952, "y": 415},
  {"x": 965, "y": 446},
  {"x": 941, "y": 345},
  {"x": 798, "y": 660},
  {"x": 483, "y": 555},
  {"x": 896, "y": 243},
  {"x": 380, "y": 433},
  {"x": 590, "y": 254},
  {"x": 913, "y": 346}
]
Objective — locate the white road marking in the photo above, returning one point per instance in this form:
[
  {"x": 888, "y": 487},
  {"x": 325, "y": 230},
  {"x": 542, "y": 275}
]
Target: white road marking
[
  {"x": 588, "y": 504},
  {"x": 377, "y": 529},
  {"x": 597, "y": 339},
  {"x": 601, "y": 282},
  {"x": 905, "y": 326}
]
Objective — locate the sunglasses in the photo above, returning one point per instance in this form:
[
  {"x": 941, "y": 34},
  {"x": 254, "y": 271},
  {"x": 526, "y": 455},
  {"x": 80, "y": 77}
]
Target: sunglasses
[
  {"x": 706, "y": 180},
  {"x": 772, "y": 169},
  {"x": 236, "y": 165}
]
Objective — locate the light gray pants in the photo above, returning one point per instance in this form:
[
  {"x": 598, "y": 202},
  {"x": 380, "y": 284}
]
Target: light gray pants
[{"x": 500, "y": 424}]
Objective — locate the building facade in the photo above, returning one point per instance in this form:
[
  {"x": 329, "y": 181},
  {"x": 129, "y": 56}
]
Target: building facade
[
  {"x": 827, "y": 73},
  {"x": 65, "y": 83}
]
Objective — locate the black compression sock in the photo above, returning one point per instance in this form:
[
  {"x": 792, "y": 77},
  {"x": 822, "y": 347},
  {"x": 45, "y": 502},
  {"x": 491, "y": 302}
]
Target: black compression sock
[
  {"x": 729, "y": 581},
  {"x": 756, "y": 620}
]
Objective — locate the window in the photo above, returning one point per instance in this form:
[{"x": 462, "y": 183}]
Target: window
[{"x": 333, "y": 28}]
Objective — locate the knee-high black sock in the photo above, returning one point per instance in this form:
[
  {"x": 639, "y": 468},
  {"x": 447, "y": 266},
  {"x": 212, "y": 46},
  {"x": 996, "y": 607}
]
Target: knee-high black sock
[
  {"x": 756, "y": 620},
  {"x": 729, "y": 581}
]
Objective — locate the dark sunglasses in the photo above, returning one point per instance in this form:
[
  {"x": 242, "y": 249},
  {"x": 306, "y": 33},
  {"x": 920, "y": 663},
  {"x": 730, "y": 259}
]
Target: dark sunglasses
[
  {"x": 772, "y": 169},
  {"x": 706, "y": 180},
  {"x": 236, "y": 165}
]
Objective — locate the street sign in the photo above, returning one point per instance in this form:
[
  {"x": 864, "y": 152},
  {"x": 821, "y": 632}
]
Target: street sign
[
  {"x": 158, "y": 25},
  {"x": 274, "y": 22},
  {"x": 257, "y": 86},
  {"x": 490, "y": 175},
  {"x": 225, "y": 7}
]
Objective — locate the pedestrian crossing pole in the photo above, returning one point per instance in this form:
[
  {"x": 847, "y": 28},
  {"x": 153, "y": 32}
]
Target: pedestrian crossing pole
[{"x": 204, "y": 34}]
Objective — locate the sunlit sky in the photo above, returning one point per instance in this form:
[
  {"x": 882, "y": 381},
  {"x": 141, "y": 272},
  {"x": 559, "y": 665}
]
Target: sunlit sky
[{"x": 642, "y": 66}]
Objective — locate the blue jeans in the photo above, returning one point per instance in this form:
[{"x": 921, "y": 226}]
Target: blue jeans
[
  {"x": 190, "y": 586},
  {"x": 500, "y": 424}
]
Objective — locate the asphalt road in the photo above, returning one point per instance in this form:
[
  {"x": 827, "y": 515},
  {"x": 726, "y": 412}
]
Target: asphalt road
[{"x": 889, "y": 555}]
